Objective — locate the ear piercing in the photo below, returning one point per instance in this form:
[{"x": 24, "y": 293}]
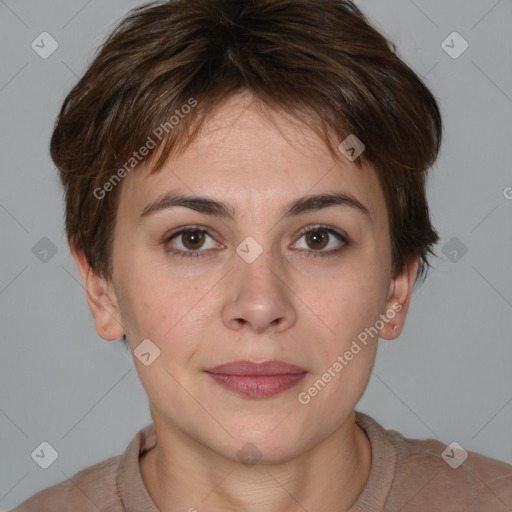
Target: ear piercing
[{"x": 397, "y": 327}]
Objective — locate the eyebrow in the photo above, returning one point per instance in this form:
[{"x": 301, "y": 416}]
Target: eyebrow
[{"x": 211, "y": 206}]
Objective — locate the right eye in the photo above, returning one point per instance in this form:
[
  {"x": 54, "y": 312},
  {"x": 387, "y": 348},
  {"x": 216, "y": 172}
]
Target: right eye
[{"x": 191, "y": 239}]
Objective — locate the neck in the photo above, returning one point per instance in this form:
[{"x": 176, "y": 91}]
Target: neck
[{"x": 180, "y": 474}]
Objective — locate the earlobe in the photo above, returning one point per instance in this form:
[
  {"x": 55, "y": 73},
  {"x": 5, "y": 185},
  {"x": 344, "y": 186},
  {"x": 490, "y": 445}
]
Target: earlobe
[
  {"x": 101, "y": 299},
  {"x": 397, "y": 303}
]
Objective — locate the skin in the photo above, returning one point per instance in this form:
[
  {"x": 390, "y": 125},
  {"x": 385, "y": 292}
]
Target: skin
[{"x": 201, "y": 312}]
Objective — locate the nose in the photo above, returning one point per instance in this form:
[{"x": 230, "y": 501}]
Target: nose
[{"x": 259, "y": 296}]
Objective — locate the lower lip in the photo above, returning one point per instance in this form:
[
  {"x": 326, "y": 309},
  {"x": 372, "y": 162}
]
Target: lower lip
[{"x": 257, "y": 386}]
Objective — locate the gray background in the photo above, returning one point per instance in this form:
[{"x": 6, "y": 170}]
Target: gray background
[{"x": 448, "y": 374}]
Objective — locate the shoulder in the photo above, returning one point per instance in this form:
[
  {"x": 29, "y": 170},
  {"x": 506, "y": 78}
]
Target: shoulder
[
  {"x": 89, "y": 490},
  {"x": 429, "y": 471},
  {"x": 104, "y": 486}
]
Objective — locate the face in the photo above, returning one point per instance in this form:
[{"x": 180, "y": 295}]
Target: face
[{"x": 255, "y": 284}]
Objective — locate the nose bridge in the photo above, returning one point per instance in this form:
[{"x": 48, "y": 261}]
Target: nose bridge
[
  {"x": 259, "y": 296},
  {"x": 257, "y": 270}
]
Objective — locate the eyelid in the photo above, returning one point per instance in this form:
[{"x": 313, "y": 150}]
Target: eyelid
[
  {"x": 343, "y": 236},
  {"x": 189, "y": 227}
]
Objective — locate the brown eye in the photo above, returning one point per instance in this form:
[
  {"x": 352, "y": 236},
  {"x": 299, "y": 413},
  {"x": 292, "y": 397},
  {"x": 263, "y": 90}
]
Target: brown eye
[
  {"x": 190, "y": 242},
  {"x": 193, "y": 239},
  {"x": 317, "y": 238}
]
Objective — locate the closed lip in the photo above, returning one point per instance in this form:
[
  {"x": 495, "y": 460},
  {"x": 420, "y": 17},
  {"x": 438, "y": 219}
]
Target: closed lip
[{"x": 267, "y": 368}]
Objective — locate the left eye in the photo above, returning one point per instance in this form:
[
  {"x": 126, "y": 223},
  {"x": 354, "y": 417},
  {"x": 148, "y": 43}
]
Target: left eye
[{"x": 319, "y": 237}]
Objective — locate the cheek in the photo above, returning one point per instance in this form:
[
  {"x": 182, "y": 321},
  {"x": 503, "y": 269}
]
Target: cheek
[
  {"x": 346, "y": 359},
  {"x": 147, "y": 296},
  {"x": 156, "y": 312},
  {"x": 164, "y": 308},
  {"x": 348, "y": 301}
]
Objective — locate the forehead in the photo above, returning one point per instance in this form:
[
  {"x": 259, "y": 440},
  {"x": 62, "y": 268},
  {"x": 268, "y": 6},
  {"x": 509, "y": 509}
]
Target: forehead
[{"x": 256, "y": 161}]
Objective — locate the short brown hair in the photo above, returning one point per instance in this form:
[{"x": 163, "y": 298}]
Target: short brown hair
[{"x": 320, "y": 61}]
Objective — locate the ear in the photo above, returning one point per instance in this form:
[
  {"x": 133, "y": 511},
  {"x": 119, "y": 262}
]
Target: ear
[
  {"x": 101, "y": 299},
  {"x": 398, "y": 300}
]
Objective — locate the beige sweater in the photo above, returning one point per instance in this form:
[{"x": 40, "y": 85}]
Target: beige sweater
[{"x": 406, "y": 475}]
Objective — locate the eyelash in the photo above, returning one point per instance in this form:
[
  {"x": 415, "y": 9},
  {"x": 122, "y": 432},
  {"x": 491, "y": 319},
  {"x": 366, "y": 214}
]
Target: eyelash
[{"x": 309, "y": 253}]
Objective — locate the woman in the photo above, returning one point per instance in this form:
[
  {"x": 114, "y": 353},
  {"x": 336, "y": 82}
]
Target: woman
[{"x": 245, "y": 201}]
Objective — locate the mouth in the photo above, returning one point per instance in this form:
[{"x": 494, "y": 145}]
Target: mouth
[{"x": 257, "y": 380}]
